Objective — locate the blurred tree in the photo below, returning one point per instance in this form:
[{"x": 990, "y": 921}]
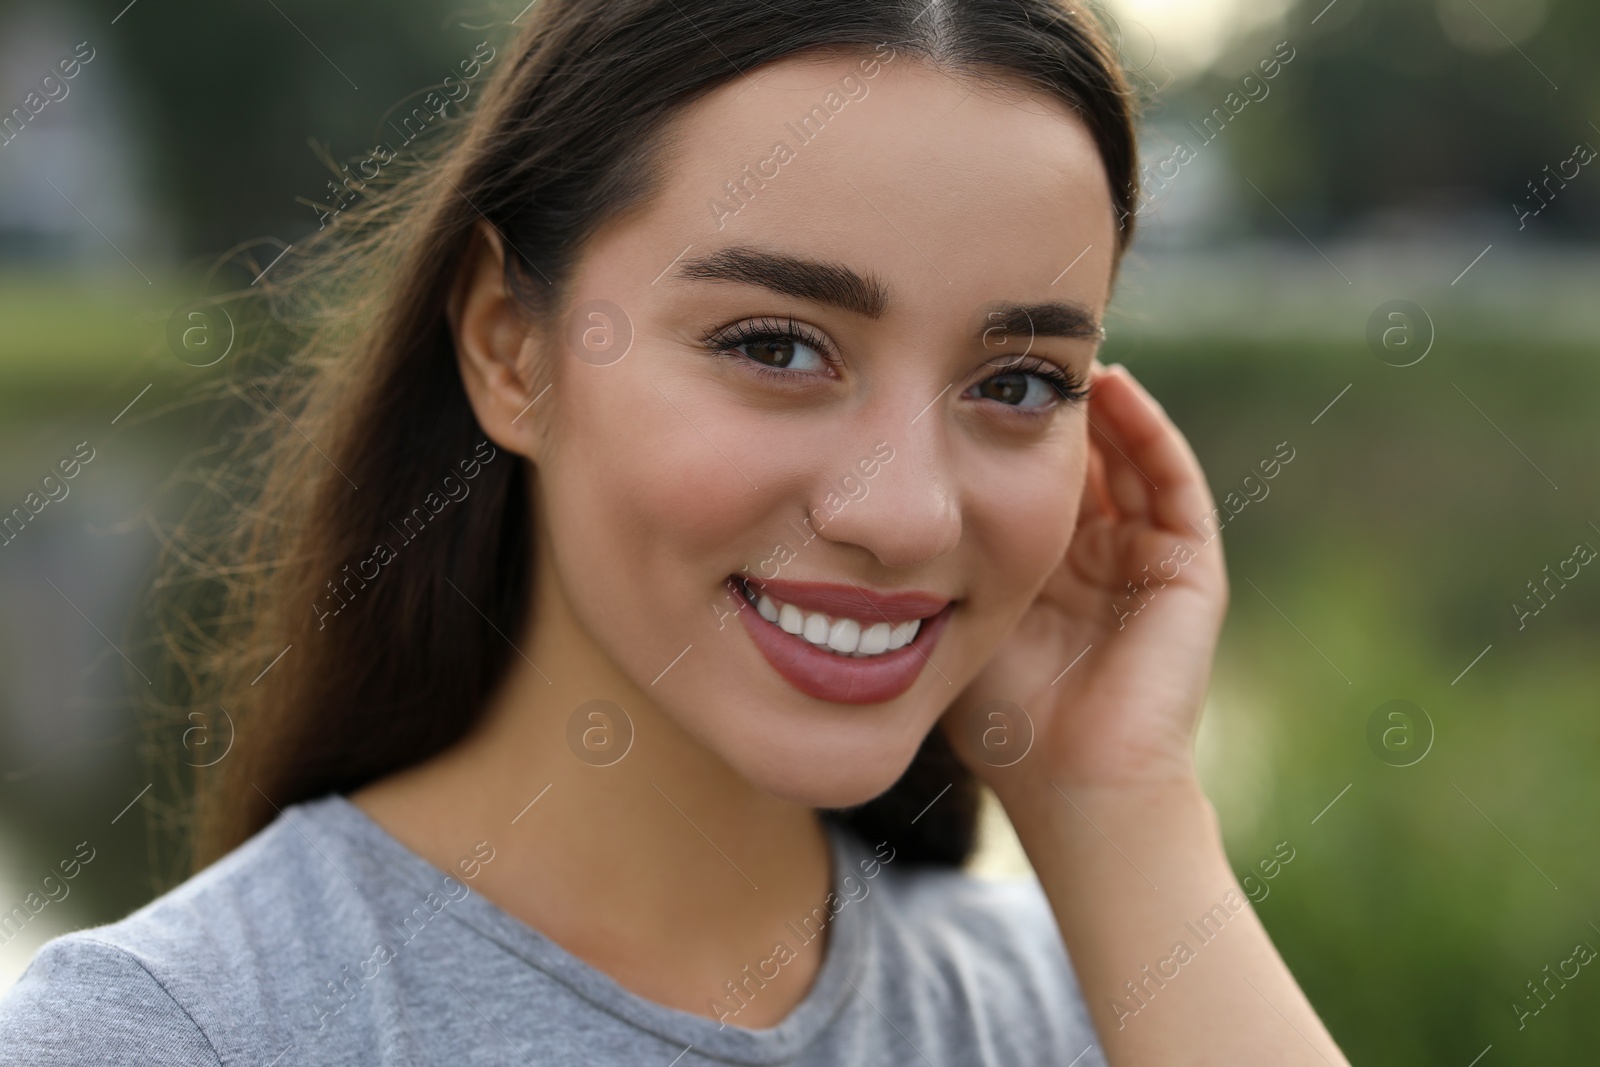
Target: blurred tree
[
  {"x": 1438, "y": 112},
  {"x": 227, "y": 96},
  {"x": 1428, "y": 111}
]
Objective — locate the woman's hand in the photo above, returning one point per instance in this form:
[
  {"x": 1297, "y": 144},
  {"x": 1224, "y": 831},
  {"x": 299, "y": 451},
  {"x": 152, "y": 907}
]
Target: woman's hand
[
  {"x": 1105, "y": 801},
  {"x": 1126, "y": 711}
]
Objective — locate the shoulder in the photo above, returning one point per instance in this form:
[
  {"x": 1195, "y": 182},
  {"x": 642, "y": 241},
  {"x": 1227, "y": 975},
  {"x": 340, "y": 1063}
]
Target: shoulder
[
  {"x": 85, "y": 1001},
  {"x": 1000, "y": 924},
  {"x": 185, "y": 978},
  {"x": 984, "y": 959}
]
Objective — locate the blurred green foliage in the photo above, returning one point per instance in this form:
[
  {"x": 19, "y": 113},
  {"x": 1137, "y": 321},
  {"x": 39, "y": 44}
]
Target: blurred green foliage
[
  {"x": 1382, "y": 113},
  {"x": 234, "y": 103},
  {"x": 1380, "y": 110},
  {"x": 1394, "y": 545}
]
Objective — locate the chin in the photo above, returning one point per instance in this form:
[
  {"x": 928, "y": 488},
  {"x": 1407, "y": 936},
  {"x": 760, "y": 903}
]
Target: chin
[
  {"x": 834, "y": 791},
  {"x": 820, "y": 764}
]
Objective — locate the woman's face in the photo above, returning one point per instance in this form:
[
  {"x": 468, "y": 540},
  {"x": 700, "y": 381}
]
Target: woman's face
[{"x": 830, "y": 356}]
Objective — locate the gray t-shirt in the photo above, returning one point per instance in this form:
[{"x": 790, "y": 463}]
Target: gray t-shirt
[{"x": 323, "y": 939}]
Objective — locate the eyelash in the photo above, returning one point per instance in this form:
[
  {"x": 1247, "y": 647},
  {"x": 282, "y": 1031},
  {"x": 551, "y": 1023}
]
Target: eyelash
[
  {"x": 1068, "y": 385},
  {"x": 764, "y": 330}
]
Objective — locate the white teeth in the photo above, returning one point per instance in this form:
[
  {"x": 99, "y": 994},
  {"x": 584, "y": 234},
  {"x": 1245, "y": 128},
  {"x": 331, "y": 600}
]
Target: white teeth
[
  {"x": 816, "y": 630},
  {"x": 846, "y": 636},
  {"x": 903, "y": 633},
  {"x": 874, "y": 639}
]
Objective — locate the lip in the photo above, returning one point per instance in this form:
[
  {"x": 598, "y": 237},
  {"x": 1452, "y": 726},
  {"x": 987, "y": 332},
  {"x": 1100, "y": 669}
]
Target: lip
[
  {"x": 843, "y": 679},
  {"x": 858, "y": 603}
]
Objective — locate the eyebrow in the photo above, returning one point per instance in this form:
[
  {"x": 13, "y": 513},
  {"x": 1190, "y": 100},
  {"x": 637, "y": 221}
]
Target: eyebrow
[
  {"x": 824, "y": 283},
  {"x": 836, "y": 285},
  {"x": 1051, "y": 319}
]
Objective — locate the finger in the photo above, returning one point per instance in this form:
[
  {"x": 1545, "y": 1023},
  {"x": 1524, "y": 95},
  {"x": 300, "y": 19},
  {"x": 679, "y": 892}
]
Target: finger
[
  {"x": 1095, "y": 503},
  {"x": 1146, "y": 441},
  {"x": 1128, "y": 487}
]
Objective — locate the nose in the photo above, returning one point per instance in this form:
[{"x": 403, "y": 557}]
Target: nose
[{"x": 907, "y": 511}]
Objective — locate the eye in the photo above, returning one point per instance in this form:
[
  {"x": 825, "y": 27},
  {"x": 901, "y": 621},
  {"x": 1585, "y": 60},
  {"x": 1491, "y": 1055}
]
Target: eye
[
  {"x": 1031, "y": 384},
  {"x": 781, "y": 346}
]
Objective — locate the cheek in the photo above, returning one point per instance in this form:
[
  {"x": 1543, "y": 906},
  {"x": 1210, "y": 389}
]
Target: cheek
[
  {"x": 650, "y": 503},
  {"x": 1026, "y": 506},
  {"x": 640, "y": 482}
]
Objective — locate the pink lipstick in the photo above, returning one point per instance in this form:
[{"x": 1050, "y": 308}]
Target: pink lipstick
[{"x": 842, "y": 679}]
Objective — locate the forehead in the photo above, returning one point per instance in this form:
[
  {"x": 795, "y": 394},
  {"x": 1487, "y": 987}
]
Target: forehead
[{"x": 930, "y": 180}]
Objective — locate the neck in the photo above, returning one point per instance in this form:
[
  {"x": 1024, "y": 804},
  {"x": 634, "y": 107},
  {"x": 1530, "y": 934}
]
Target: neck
[{"x": 663, "y": 868}]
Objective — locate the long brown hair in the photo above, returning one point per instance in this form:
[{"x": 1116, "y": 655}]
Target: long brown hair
[{"x": 360, "y": 426}]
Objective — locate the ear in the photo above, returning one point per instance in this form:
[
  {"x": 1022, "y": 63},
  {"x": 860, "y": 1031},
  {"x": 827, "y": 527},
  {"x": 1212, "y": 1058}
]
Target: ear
[{"x": 497, "y": 348}]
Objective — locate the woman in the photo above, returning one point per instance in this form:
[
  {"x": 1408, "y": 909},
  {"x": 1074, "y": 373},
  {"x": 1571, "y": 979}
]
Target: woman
[{"x": 706, "y": 496}]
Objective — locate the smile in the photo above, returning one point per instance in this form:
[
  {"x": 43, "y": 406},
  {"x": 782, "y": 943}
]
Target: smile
[
  {"x": 847, "y": 636},
  {"x": 842, "y": 643}
]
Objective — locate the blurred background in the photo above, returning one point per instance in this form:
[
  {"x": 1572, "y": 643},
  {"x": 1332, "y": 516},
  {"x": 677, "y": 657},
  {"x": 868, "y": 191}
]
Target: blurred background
[{"x": 1368, "y": 243}]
